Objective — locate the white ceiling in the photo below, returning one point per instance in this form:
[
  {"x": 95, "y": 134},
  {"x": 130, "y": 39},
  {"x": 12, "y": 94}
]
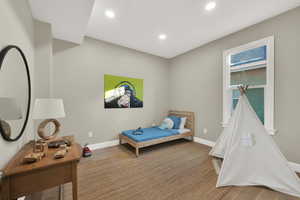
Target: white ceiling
[
  {"x": 139, "y": 22},
  {"x": 69, "y": 18}
]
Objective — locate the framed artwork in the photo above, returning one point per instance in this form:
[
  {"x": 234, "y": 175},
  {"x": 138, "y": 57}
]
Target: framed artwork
[{"x": 123, "y": 92}]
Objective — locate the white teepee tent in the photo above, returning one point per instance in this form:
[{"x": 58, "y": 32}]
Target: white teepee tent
[{"x": 250, "y": 156}]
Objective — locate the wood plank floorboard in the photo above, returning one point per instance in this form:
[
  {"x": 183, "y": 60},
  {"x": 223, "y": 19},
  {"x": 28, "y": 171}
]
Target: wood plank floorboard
[{"x": 178, "y": 170}]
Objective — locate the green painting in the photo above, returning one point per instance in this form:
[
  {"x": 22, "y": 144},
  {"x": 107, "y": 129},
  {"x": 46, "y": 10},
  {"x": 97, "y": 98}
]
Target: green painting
[{"x": 123, "y": 92}]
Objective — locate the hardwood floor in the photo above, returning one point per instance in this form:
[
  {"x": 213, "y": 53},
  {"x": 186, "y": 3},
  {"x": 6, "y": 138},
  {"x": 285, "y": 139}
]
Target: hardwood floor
[{"x": 178, "y": 170}]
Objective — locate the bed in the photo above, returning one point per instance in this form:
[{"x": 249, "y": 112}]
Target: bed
[{"x": 154, "y": 135}]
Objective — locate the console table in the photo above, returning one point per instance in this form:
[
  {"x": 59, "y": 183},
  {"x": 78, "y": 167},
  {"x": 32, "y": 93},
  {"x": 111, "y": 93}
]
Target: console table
[{"x": 25, "y": 179}]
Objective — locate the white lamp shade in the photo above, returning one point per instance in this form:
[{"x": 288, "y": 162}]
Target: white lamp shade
[
  {"x": 9, "y": 109},
  {"x": 48, "y": 109}
]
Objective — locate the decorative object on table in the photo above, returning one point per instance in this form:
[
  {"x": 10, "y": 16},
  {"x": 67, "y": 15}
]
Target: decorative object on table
[
  {"x": 58, "y": 143},
  {"x": 33, "y": 157},
  {"x": 40, "y": 147},
  {"x": 49, "y": 110},
  {"x": 138, "y": 131},
  {"x": 9, "y": 110},
  {"x": 15, "y": 83},
  {"x": 123, "y": 92},
  {"x": 62, "y": 152},
  {"x": 40, "y": 150},
  {"x": 86, "y": 152}
]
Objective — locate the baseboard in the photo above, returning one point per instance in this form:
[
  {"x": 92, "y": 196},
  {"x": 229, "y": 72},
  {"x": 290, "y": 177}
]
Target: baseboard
[
  {"x": 103, "y": 144},
  {"x": 294, "y": 166},
  {"x": 204, "y": 141}
]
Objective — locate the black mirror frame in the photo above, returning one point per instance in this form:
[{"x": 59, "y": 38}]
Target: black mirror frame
[{"x": 2, "y": 57}]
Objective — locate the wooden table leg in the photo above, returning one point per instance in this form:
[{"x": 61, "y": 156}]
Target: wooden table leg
[
  {"x": 120, "y": 139},
  {"x": 74, "y": 181},
  {"x": 5, "y": 189},
  {"x": 35, "y": 196},
  {"x": 60, "y": 192},
  {"x": 137, "y": 152},
  {"x": 192, "y": 138}
]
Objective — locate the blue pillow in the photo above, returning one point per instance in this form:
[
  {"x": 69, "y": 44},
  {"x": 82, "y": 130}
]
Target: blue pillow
[{"x": 176, "y": 120}]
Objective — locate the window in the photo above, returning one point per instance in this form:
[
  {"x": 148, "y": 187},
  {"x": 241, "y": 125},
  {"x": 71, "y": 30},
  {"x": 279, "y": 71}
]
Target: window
[{"x": 251, "y": 64}]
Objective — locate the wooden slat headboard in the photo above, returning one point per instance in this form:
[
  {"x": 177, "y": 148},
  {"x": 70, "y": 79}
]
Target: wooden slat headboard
[{"x": 190, "y": 118}]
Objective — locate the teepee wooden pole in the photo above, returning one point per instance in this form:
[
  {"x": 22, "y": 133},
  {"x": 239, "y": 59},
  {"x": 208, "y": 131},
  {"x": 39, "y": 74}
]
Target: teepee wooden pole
[{"x": 243, "y": 89}]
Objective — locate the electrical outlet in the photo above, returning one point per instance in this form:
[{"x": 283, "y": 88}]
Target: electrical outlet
[
  {"x": 205, "y": 130},
  {"x": 90, "y": 134}
]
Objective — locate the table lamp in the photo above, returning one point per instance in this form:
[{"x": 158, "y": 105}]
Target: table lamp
[
  {"x": 9, "y": 110},
  {"x": 49, "y": 110}
]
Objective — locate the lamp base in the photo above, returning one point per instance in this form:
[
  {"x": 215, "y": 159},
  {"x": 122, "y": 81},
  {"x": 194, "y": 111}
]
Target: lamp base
[{"x": 42, "y": 132}]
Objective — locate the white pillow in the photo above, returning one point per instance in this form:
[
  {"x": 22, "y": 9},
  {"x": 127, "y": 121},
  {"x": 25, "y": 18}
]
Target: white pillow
[
  {"x": 182, "y": 122},
  {"x": 167, "y": 124}
]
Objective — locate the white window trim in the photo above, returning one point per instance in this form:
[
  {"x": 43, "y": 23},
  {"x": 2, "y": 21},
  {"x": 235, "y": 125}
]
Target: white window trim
[
  {"x": 269, "y": 88},
  {"x": 259, "y": 64}
]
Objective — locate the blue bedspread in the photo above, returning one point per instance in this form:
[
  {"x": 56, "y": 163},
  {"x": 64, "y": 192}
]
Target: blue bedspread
[{"x": 150, "y": 134}]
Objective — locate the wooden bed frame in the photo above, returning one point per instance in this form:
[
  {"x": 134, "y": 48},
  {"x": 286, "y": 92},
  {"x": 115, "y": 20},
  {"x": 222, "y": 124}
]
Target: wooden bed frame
[{"x": 190, "y": 124}]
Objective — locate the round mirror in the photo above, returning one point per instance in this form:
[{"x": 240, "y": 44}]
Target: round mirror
[{"x": 15, "y": 93}]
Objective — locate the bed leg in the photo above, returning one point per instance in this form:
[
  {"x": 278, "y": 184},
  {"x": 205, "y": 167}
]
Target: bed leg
[
  {"x": 137, "y": 152},
  {"x": 120, "y": 140},
  {"x": 192, "y": 138}
]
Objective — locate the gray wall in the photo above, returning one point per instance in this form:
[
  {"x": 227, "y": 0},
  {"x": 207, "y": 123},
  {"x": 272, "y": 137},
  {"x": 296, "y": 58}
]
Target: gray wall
[
  {"x": 43, "y": 59},
  {"x": 17, "y": 28},
  {"x": 78, "y": 79},
  {"x": 43, "y": 63},
  {"x": 196, "y": 80}
]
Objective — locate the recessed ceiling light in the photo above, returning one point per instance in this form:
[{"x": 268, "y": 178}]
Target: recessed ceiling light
[
  {"x": 210, "y": 5},
  {"x": 110, "y": 14},
  {"x": 162, "y": 36}
]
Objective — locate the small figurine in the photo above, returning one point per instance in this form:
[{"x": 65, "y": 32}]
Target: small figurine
[
  {"x": 40, "y": 147},
  {"x": 62, "y": 152},
  {"x": 33, "y": 157},
  {"x": 58, "y": 143},
  {"x": 86, "y": 152}
]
